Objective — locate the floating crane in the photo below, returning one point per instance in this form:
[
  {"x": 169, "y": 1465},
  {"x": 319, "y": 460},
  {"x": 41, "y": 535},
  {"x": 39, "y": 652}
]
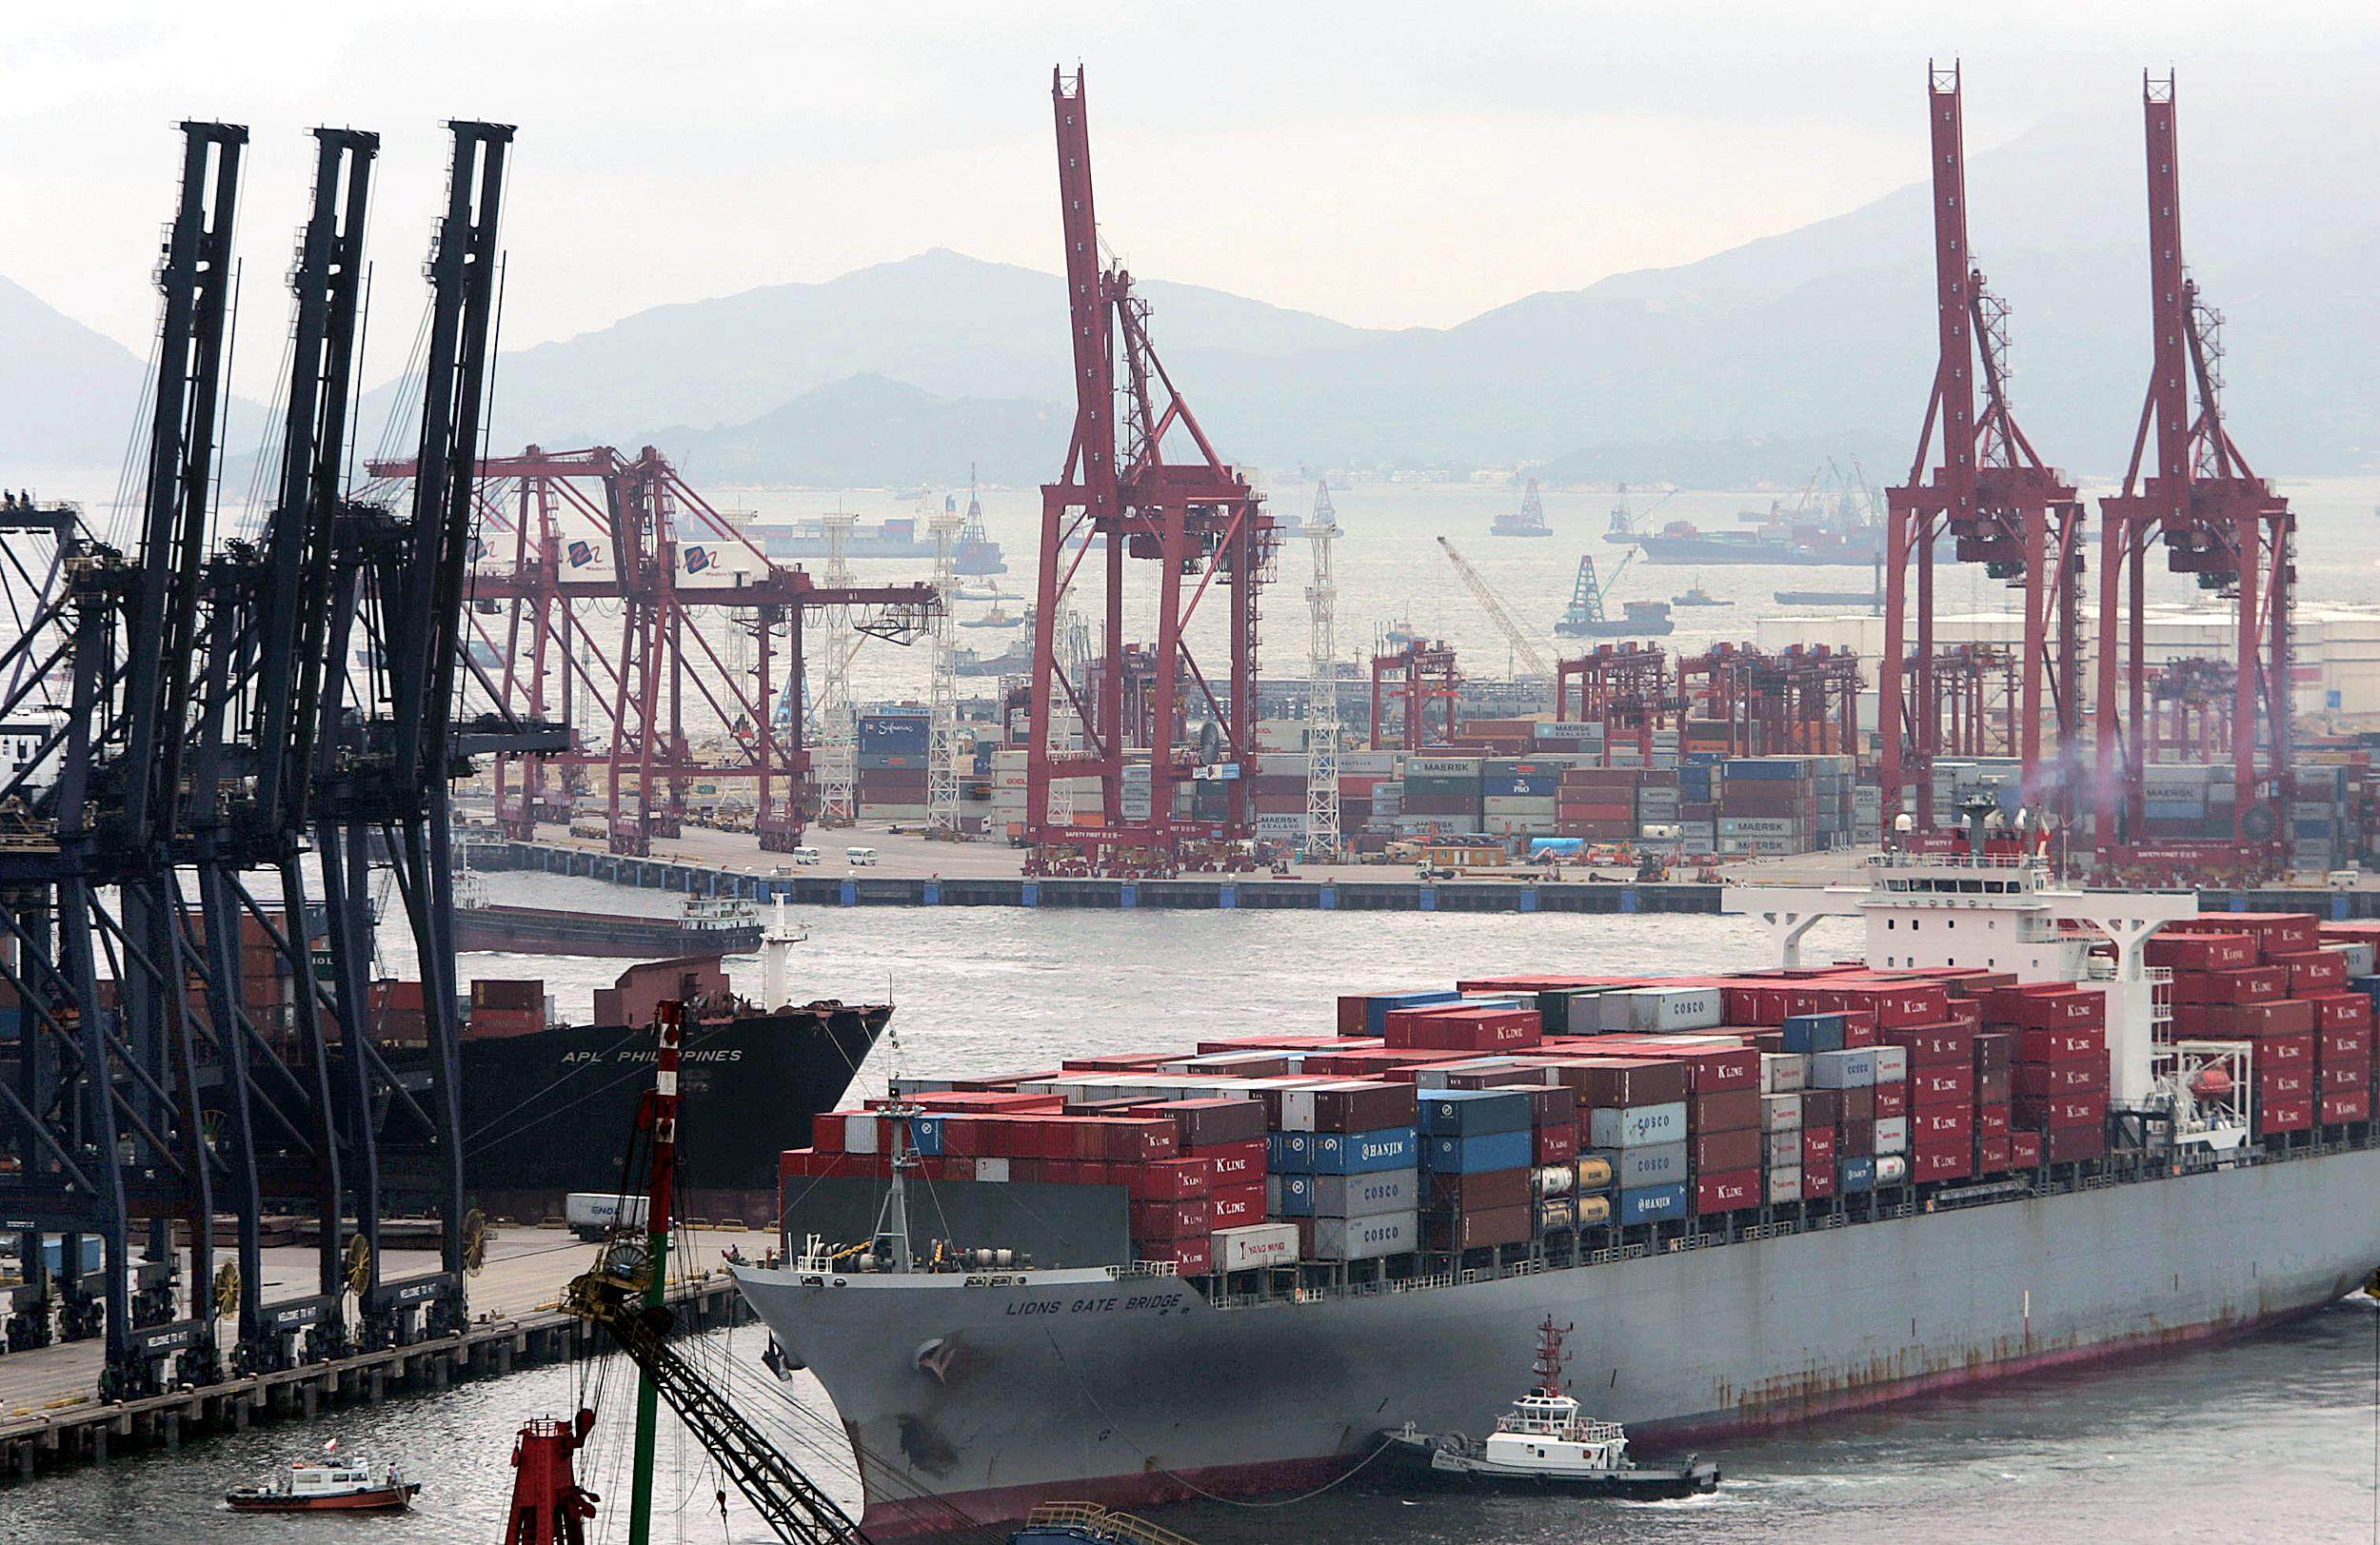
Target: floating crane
[
  {"x": 1524, "y": 650},
  {"x": 1586, "y": 617}
]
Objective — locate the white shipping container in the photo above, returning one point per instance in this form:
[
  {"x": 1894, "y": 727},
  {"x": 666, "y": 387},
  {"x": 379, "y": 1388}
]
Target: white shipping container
[
  {"x": 1638, "y": 1127},
  {"x": 1843, "y": 1070},
  {"x": 1783, "y": 1072},
  {"x": 860, "y": 1133},
  {"x": 1892, "y": 1135},
  {"x": 1366, "y": 1238},
  {"x": 1892, "y": 1063},
  {"x": 1256, "y": 1246},
  {"x": 1670, "y": 1008},
  {"x": 1784, "y": 1184},
  {"x": 1780, "y": 1112},
  {"x": 2360, "y": 958},
  {"x": 1781, "y": 1148},
  {"x": 1367, "y": 1195},
  {"x": 1891, "y": 1169},
  {"x": 991, "y": 1169}
]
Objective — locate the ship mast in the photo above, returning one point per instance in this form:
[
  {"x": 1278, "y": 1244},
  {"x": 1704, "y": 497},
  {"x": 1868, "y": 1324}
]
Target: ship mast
[
  {"x": 1551, "y": 1358},
  {"x": 661, "y": 1116}
]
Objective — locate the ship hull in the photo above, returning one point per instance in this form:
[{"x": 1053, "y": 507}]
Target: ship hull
[
  {"x": 529, "y": 930},
  {"x": 1140, "y": 1391},
  {"x": 551, "y": 1112}
]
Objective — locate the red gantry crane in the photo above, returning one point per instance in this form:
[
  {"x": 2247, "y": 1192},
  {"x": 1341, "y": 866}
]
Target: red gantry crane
[
  {"x": 1197, "y": 521},
  {"x": 608, "y": 595},
  {"x": 2217, "y": 521},
  {"x": 2000, "y": 505}
]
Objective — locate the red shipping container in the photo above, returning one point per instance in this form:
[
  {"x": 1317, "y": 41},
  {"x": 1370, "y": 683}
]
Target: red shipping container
[
  {"x": 2275, "y": 933},
  {"x": 2199, "y": 952},
  {"x": 2282, "y": 1016},
  {"x": 1193, "y": 1257},
  {"x": 1817, "y": 1184},
  {"x": 1994, "y": 1050},
  {"x": 1854, "y": 1139},
  {"x": 1131, "y": 1139},
  {"x": 2343, "y": 1011},
  {"x": 1991, "y": 1154},
  {"x": 1714, "y": 1153},
  {"x": 2342, "y": 1045},
  {"x": 2067, "y": 1144},
  {"x": 2244, "y": 984},
  {"x": 1859, "y": 1105},
  {"x": 1991, "y": 1122},
  {"x": 1859, "y": 1031},
  {"x": 1949, "y": 1163},
  {"x": 1165, "y": 1179},
  {"x": 2068, "y": 1110},
  {"x": 1734, "y": 1111},
  {"x": 1821, "y": 1107},
  {"x": 2285, "y": 1050},
  {"x": 1945, "y": 1083},
  {"x": 1890, "y": 1099},
  {"x": 1444, "y": 1230},
  {"x": 2024, "y": 1149},
  {"x": 1966, "y": 1013},
  {"x": 2344, "y": 1105},
  {"x": 2047, "y": 1080},
  {"x": 1620, "y": 1082},
  {"x": 2284, "y": 1084},
  {"x": 2065, "y": 1044},
  {"x": 1931, "y": 1045},
  {"x": 1941, "y": 1124},
  {"x": 1481, "y": 1193},
  {"x": 2285, "y": 1116},
  {"x": 1237, "y": 1205},
  {"x": 1169, "y": 1219},
  {"x": 1206, "y": 1123},
  {"x": 2313, "y": 971},
  {"x": 1552, "y": 1104},
  {"x": 1725, "y": 1193},
  {"x": 1557, "y": 1144},
  {"x": 1995, "y": 1087},
  {"x": 1457, "y": 1027},
  {"x": 1234, "y": 1164},
  {"x": 2346, "y": 1077},
  {"x": 1719, "y": 1070},
  {"x": 1817, "y": 1149},
  {"x": 2049, "y": 1006}
]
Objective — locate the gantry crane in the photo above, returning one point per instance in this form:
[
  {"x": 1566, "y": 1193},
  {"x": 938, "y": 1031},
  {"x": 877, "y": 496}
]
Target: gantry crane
[{"x": 2003, "y": 506}]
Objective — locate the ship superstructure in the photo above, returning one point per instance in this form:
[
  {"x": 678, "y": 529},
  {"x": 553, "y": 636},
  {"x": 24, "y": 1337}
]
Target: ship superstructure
[{"x": 2039, "y": 1124}]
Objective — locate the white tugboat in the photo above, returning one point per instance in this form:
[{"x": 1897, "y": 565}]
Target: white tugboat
[{"x": 1544, "y": 1442}]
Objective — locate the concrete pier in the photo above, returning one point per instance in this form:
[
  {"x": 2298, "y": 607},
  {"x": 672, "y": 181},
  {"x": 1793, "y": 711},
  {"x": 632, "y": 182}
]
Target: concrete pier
[{"x": 52, "y": 1416}]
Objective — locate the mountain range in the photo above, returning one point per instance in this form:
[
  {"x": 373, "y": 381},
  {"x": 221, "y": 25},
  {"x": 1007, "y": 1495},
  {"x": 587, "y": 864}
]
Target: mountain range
[{"x": 1757, "y": 362}]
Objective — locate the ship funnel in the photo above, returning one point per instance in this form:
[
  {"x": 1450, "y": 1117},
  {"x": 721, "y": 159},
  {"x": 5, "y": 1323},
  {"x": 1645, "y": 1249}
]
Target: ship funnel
[{"x": 777, "y": 954}]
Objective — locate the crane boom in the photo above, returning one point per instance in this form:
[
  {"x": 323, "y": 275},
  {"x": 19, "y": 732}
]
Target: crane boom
[{"x": 1523, "y": 648}]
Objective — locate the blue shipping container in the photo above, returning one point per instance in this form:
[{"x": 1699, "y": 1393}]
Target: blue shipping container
[
  {"x": 1376, "y": 1009},
  {"x": 1766, "y": 769},
  {"x": 1470, "y": 1112},
  {"x": 1343, "y": 1153},
  {"x": 926, "y": 1136},
  {"x": 92, "y": 1252},
  {"x": 1807, "y": 1033},
  {"x": 1653, "y": 1202},
  {"x": 1518, "y": 785},
  {"x": 1297, "y": 1195},
  {"x": 1480, "y": 1153},
  {"x": 1856, "y": 1174}
]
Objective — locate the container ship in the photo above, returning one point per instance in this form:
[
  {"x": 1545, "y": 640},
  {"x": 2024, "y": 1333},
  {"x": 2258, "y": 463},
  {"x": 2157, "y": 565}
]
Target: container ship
[
  {"x": 548, "y": 1108},
  {"x": 2036, "y": 1124}
]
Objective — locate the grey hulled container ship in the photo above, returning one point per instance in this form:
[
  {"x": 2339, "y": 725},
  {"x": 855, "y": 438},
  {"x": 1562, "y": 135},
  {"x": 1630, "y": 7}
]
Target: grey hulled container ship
[{"x": 2221, "y": 1177}]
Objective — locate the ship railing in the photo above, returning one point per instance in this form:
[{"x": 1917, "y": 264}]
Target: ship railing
[
  {"x": 1146, "y": 1268},
  {"x": 1100, "y": 1524}
]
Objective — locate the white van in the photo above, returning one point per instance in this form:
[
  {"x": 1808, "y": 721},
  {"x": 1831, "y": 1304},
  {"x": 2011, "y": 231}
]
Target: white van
[
  {"x": 806, "y": 856},
  {"x": 860, "y": 858}
]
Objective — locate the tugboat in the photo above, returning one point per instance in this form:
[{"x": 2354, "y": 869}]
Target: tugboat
[
  {"x": 999, "y": 616},
  {"x": 1696, "y": 596},
  {"x": 1545, "y": 1444},
  {"x": 330, "y": 1486}
]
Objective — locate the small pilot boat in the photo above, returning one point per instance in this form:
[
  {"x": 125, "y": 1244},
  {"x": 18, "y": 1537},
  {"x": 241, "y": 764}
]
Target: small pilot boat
[
  {"x": 328, "y": 1486},
  {"x": 1545, "y": 1444}
]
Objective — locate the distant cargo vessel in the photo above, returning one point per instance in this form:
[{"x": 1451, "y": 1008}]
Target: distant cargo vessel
[
  {"x": 2040, "y": 1124},
  {"x": 703, "y": 926}
]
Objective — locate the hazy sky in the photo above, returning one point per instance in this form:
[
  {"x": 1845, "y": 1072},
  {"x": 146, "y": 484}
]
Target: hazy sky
[{"x": 1385, "y": 164}]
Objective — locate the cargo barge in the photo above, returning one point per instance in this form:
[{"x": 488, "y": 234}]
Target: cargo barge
[
  {"x": 2038, "y": 1125},
  {"x": 703, "y": 926}
]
